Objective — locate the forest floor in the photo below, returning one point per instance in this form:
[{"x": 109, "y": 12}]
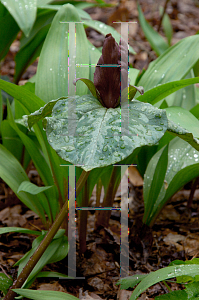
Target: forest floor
[{"x": 175, "y": 234}]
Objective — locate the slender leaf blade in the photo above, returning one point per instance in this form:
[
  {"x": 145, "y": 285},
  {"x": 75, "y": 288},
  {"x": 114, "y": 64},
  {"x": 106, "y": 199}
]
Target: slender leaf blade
[
  {"x": 173, "y": 64},
  {"x": 153, "y": 180},
  {"x": 183, "y": 166},
  {"x": 8, "y": 33},
  {"x": 18, "y": 229},
  {"x": 45, "y": 295},
  {"x": 163, "y": 274},
  {"x": 13, "y": 174},
  {"x": 157, "y": 42},
  {"x": 160, "y": 92},
  {"x": 31, "y": 188}
]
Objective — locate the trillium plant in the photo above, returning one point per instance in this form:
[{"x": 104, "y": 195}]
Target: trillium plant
[{"x": 98, "y": 141}]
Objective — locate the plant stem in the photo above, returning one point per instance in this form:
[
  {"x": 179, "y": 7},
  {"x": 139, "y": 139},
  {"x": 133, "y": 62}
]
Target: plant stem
[
  {"x": 47, "y": 240},
  {"x": 190, "y": 201},
  {"x": 102, "y": 217},
  {"x": 83, "y": 221}
]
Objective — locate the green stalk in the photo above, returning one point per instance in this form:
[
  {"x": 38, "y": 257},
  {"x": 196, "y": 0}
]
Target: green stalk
[{"x": 47, "y": 240}]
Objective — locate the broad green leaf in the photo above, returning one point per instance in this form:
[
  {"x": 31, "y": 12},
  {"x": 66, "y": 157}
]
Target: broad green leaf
[
  {"x": 45, "y": 295},
  {"x": 31, "y": 188},
  {"x": 97, "y": 141},
  {"x": 52, "y": 72},
  {"x": 24, "y": 13},
  {"x": 13, "y": 174},
  {"x": 18, "y": 229},
  {"x": 8, "y": 33},
  {"x": 183, "y": 166},
  {"x": 160, "y": 92},
  {"x": 5, "y": 283},
  {"x": 105, "y": 29},
  {"x": 29, "y": 53},
  {"x": 158, "y": 44},
  {"x": 153, "y": 180},
  {"x": 163, "y": 274},
  {"x": 173, "y": 64}
]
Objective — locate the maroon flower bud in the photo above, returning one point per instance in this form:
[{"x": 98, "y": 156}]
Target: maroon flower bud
[{"x": 107, "y": 79}]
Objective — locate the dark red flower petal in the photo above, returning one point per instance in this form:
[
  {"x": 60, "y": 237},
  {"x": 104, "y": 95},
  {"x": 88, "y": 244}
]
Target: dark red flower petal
[{"x": 107, "y": 79}]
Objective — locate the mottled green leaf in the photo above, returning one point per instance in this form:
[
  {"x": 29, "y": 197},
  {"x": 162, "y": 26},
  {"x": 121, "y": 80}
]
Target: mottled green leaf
[{"x": 98, "y": 141}]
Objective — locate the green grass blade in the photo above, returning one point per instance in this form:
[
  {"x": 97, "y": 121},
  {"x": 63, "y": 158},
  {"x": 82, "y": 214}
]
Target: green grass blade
[
  {"x": 45, "y": 295},
  {"x": 157, "y": 42},
  {"x": 163, "y": 274},
  {"x": 158, "y": 93}
]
